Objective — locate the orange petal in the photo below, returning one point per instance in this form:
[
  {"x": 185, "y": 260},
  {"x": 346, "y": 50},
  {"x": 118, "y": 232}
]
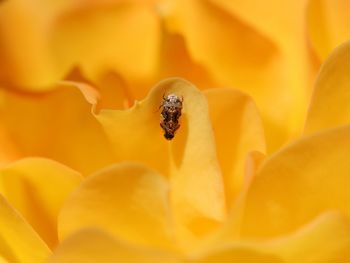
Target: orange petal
[
  {"x": 37, "y": 188},
  {"x": 189, "y": 159},
  {"x": 298, "y": 183},
  {"x": 94, "y": 245},
  {"x": 127, "y": 200},
  {"x": 329, "y": 106},
  {"x": 238, "y": 130},
  {"x": 57, "y": 125},
  {"x": 328, "y": 24},
  {"x": 18, "y": 242}
]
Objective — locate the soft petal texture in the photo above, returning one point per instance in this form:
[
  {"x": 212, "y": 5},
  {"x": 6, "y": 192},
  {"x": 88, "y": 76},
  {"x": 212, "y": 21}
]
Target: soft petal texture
[
  {"x": 23, "y": 36},
  {"x": 298, "y": 183},
  {"x": 18, "y": 241},
  {"x": 127, "y": 200},
  {"x": 328, "y": 24},
  {"x": 330, "y": 102},
  {"x": 37, "y": 188},
  {"x": 57, "y": 35},
  {"x": 176, "y": 60},
  {"x": 94, "y": 245},
  {"x": 57, "y": 125},
  {"x": 265, "y": 54},
  {"x": 189, "y": 159},
  {"x": 106, "y": 36},
  {"x": 325, "y": 240},
  {"x": 238, "y": 253},
  {"x": 238, "y": 130}
]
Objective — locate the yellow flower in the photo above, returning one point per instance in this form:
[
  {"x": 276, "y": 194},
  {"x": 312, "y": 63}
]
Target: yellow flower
[
  {"x": 261, "y": 48},
  {"x": 186, "y": 200},
  {"x": 108, "y": 187}
]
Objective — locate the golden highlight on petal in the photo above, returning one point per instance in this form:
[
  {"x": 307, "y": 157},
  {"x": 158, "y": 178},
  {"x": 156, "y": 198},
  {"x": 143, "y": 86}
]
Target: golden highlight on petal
[
  {"x": 38, "y": 188},
  {"x": 127, "y": 200}
]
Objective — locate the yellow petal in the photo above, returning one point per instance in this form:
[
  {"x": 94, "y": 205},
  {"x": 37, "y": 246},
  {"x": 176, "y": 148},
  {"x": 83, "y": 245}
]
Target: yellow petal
[
  {"x": 56, "y": 36},
  {"x": 238, "y": 253},
  {"x": 94, "y": 245},
  {"x": 189, "y": 159},
  {"x": 57, "y": 125},
  {"x": 37, "y": 188},
  {"x": 238, "y": 130},
  {"x": 280, "y": 21},
  {"x": 328, "y": 24},
  {"x": 25, "y": 56},
  {"x": 325, "y": 240},
  {"x": 18, "y": 242},
  {"x": 298, "y": 183},
  {"x": 108, "y": 36},
  {"x": 176, "y": 60},
  {"x": 127, "y": 200},
  {"x": 329, "y": 106},
  {"x": 269, "y": 60}
]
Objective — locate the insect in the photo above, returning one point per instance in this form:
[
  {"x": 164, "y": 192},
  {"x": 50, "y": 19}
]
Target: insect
[{"x": 171, "y": 112}]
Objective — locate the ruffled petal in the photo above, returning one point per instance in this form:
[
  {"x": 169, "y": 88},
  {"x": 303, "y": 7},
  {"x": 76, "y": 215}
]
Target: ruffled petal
[
  {"x": 57, "y": 125},
  {"x": 243, "y": 46},
  {"x": 37, "y": 188},
  {"x": 189, "y": 160},
  {"x": 42, "y": 42},
  {"x": 107, "y": 36}
]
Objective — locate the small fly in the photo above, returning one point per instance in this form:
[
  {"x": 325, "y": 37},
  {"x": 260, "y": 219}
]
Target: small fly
[{"x": 171, "y": 112}]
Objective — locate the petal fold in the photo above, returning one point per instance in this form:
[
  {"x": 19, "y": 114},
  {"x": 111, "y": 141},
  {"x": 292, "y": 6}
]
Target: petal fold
[
  {"x": 18, "y": 241},
  {"x": 328, "y": 25},
  {"x": 297, "y": 184},
  {"x": 127, "y": 200},
  {"x": 38, "y": 188},
  {"x": 238, "y": 130},
  {"x": 95, "y": 245},
  {"x": 189, "y": 160},
  {"x": 57, "y": 125},
  {"x": 330, "y": 102}
]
